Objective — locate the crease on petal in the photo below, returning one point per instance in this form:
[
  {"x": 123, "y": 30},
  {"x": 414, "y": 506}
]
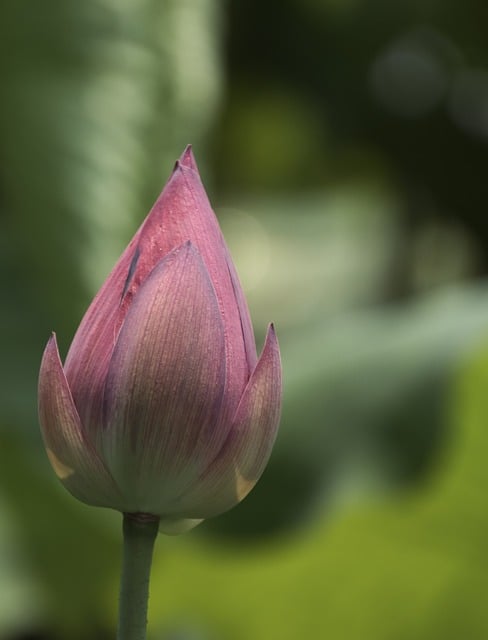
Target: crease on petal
[
  {"x": 244, "y": 456},
  {"x": 72, "y": 456},
  {"x": 165, "y": 383},
  {"x": 91, "y": 349},
  {"x": 89, "y": 355}
]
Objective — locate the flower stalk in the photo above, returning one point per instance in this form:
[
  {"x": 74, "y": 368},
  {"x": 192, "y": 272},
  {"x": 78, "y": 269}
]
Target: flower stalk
[{"x": 139, "y": 532}]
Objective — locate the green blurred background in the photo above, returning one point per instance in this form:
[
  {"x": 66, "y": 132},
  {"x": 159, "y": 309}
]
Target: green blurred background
[{"x": 344, "y": 147}]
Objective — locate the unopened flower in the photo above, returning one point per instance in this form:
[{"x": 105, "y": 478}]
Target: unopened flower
[{"x": 162, "y": 406}]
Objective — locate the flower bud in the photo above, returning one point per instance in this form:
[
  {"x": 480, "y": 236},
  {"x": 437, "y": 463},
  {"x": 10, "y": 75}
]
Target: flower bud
[{"x": 162, "y": 406}]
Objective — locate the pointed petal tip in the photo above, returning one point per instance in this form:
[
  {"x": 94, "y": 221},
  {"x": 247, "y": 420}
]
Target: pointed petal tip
[
  {"x": 51, "y": 351},
  {"x": 271, "y": 340},
  {"x": 183, "y": 250},
  {"x": 187, "y": 159}
]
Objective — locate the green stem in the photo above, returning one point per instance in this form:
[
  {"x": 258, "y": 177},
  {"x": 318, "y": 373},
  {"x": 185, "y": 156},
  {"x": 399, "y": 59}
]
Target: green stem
[{"x": 140, "y": 532}]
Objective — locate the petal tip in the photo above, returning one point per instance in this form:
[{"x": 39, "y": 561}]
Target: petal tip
[
  {"x": 187, "y": 159},
  {"x": 51, "y": 352},
  {"x": 271, "y": 340},
  {"x": 188, "y": 248}
]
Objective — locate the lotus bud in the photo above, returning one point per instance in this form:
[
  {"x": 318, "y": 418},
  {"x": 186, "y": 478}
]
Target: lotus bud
[{"x": 162, "y": 406}]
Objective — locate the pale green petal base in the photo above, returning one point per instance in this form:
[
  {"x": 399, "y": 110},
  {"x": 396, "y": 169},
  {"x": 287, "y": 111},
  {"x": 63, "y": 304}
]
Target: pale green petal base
[{"x": 173, "y": 527}]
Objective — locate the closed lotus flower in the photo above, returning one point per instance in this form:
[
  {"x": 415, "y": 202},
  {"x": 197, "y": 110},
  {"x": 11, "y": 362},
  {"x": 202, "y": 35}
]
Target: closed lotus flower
[{"x": 162, "y": 406}]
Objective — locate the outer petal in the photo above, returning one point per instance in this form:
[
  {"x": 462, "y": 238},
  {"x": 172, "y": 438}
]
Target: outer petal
[
  {"x": 241, "y": 326},
  {"x": 91, "y": 349},
  {"x": 165, "y": 384},
  {"x": 181, "y": 213},
  {"x": 72, "y": 456},
  {"x": 245, "y": 454}
]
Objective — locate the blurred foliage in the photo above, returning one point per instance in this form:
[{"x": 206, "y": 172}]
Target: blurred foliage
[{"x": 344, "y": 144}]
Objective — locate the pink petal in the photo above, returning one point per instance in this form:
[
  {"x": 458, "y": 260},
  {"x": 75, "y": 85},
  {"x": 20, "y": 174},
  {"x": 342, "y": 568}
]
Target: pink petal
[
  {"x": 165, "y": 383},
  {"x": 246, "y": 452},
  {"x": 73, "y": 457},
  {"x": 89, "y": 356},
  {"x": 181, "y": 213}
]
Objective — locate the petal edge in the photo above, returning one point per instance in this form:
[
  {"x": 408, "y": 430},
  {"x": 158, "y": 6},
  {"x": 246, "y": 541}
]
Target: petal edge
[
  {"x": 72, "y": 456},
  {"x": 246, "y": 452}
]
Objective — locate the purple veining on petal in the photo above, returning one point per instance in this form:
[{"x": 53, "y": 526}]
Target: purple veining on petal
[
  {"x": 240, "y": 461},
  {"x": 70, "y": 451},
  {"x": 166, "y": 380}
]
